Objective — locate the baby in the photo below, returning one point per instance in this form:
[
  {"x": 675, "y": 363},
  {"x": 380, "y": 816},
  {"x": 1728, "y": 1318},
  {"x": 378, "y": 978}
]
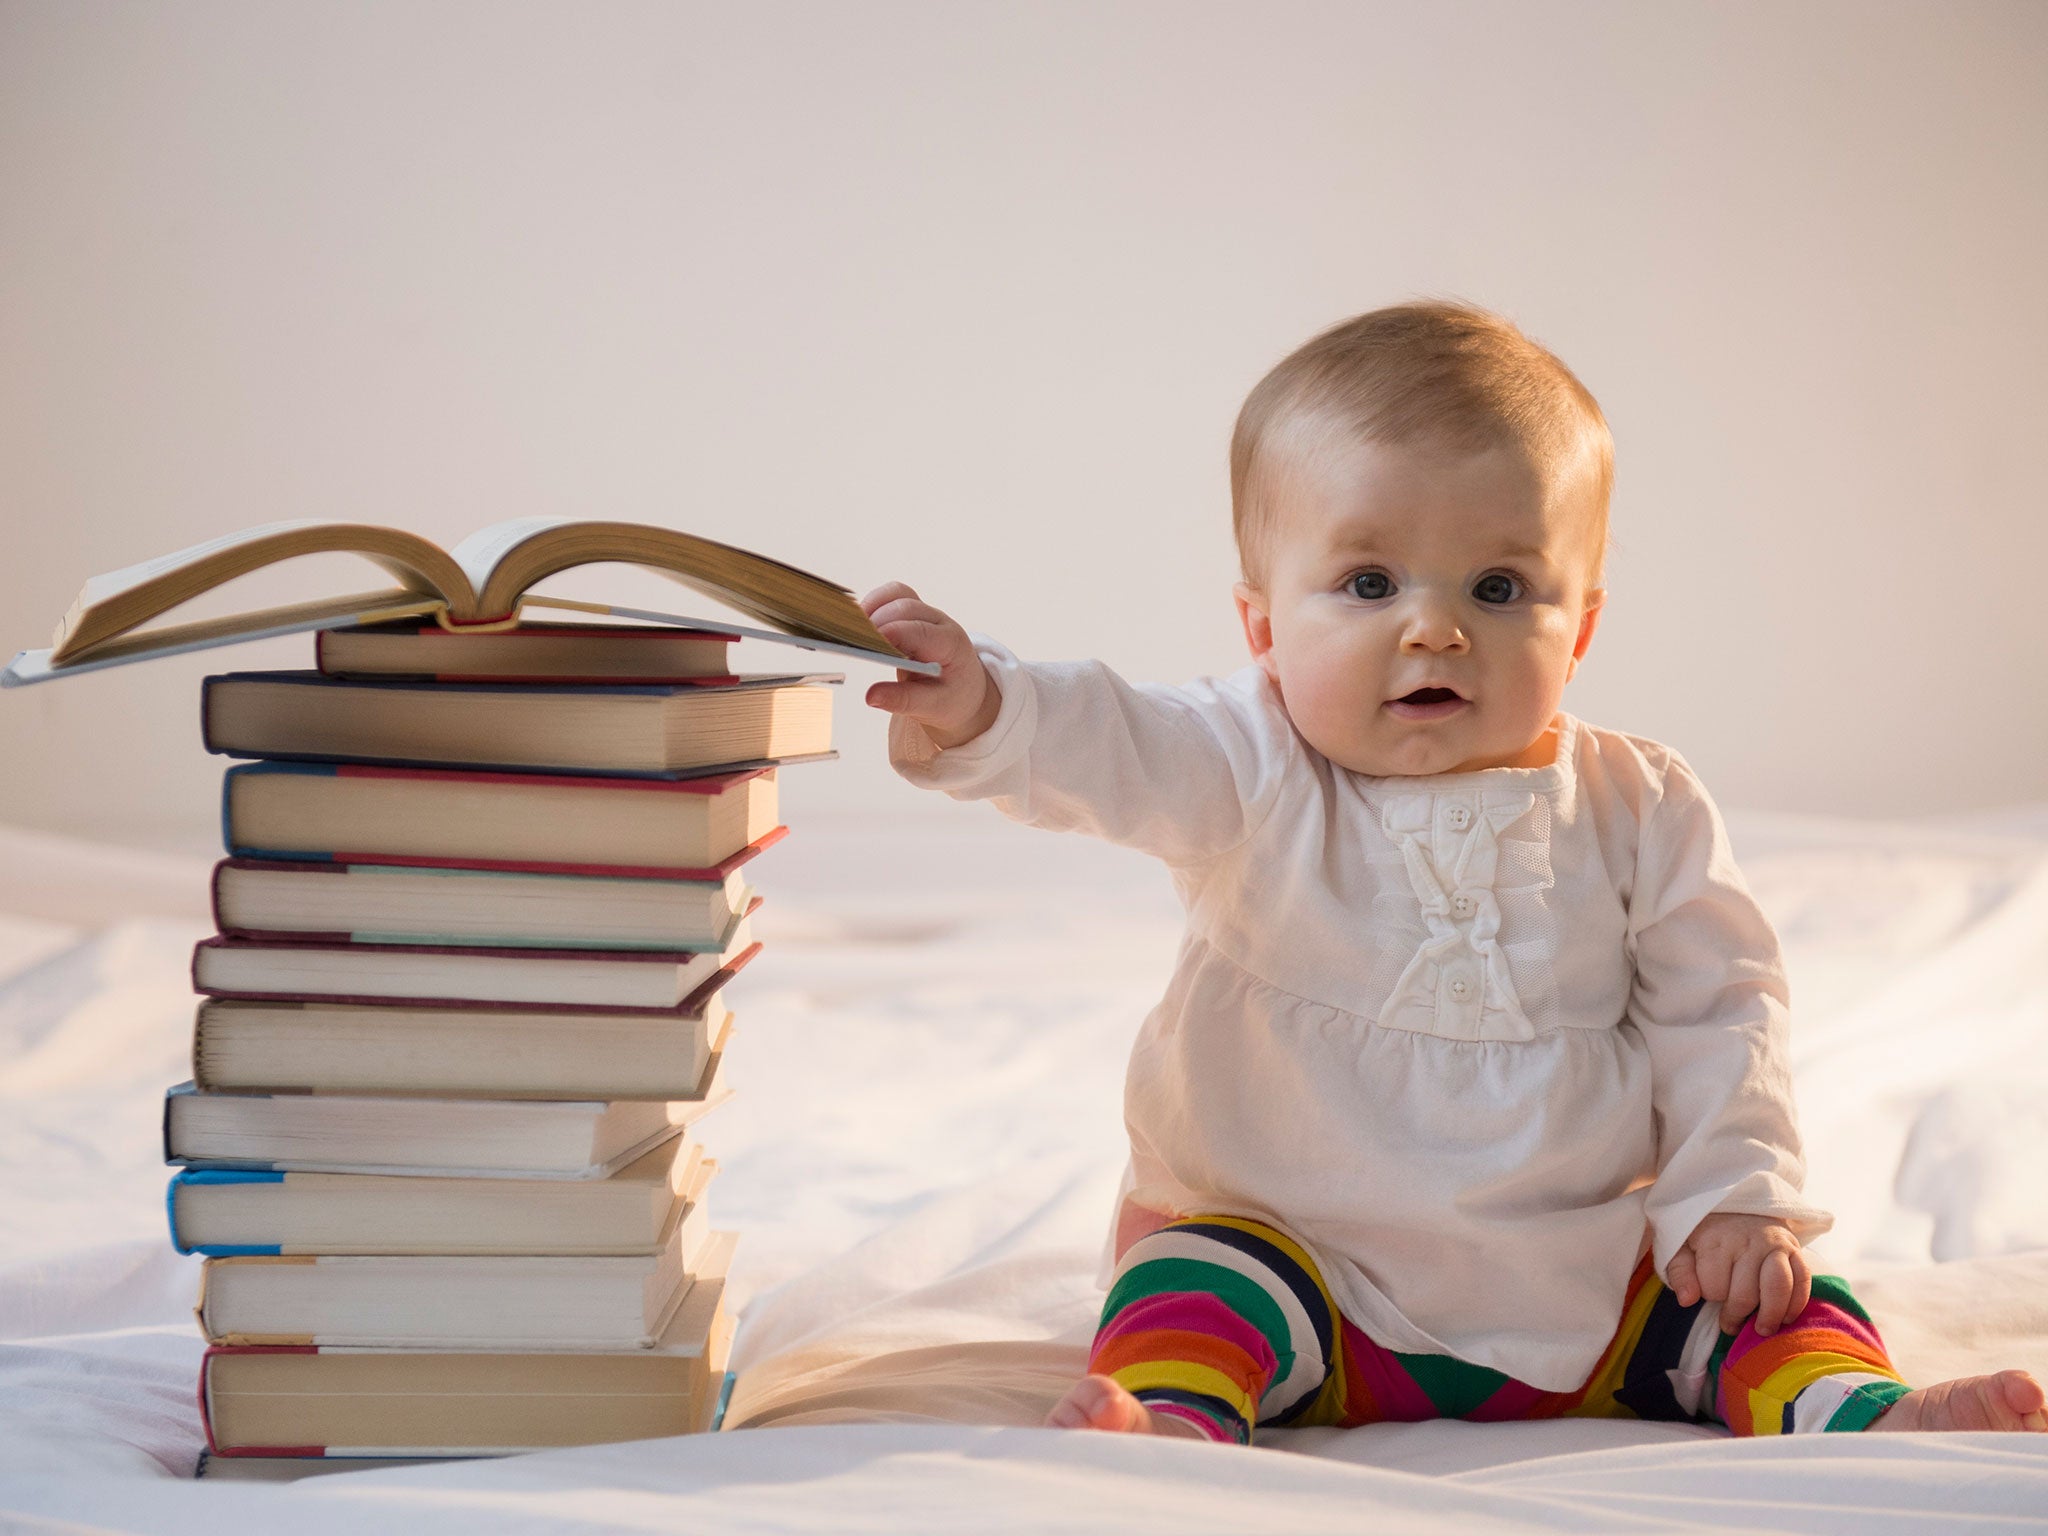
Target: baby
[{"x": 1468, "y": 1096}]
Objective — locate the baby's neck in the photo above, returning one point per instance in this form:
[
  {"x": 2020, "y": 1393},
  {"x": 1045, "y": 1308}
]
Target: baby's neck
[{"x": 1540, "y": 753}]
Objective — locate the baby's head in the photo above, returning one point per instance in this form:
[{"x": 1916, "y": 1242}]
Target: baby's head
[{"x": 1420, "y": 498}]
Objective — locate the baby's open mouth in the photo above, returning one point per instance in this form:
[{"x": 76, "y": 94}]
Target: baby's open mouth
[{"x": 1429, "y": 696}]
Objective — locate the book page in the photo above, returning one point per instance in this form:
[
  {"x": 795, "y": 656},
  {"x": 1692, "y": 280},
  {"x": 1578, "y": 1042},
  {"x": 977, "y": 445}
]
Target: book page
[
  {"x": 479, "y": 554},
  {"x": 777, "y": 593},
  {"x": 208, "y": 634},
  {"x": 99, "y": 588},
  {"x": 112, "y": 604}
]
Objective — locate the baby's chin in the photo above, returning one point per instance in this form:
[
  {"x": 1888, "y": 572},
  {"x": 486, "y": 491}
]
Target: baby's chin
[{"x": 1408, "y": 753}]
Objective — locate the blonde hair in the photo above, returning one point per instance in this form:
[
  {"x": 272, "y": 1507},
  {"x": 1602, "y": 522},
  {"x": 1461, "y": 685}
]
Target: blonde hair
[{"x": 1430, "y": 373}]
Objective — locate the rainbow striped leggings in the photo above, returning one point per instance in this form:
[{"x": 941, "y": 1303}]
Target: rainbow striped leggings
[{"x": 1224, "y": 1322}]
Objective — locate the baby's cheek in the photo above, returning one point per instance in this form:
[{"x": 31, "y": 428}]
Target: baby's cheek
[{"x": 1335, "y": 721}]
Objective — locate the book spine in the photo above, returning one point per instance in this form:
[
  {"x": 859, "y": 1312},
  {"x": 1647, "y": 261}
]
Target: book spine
[
  {"x": 186, "y": 1178},
  {"x": 213, "y": 1444},
  {"x": 235, "y": 775},
  {"x": 528, "y": 954},
  {"x": 310, "y": 861},
  {"x": 171, "y": 1094},
  {"x": 594, "y": 680},
  {"x": 705, "y": 875},
  {"x": 691, "y": 1006},
  {"x": 686, "y": 784},
  {"x": 724, "y": 1401}
]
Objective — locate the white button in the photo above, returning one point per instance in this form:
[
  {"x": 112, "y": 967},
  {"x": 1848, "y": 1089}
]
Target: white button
[
  {"x": 1462, "y": 905},
  {"x": 1461, "y": 988},
  {"x": 1460, "y": 817}
]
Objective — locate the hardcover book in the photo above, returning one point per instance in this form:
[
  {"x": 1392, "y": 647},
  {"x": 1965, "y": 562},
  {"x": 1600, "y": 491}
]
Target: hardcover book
[
  {"x": 494, "y": 1302},
  {"x": 698, "y": 828},
  {"x": 224, "y": 1211},
  {"x": 677, "y": 730},
  {"x": 484, "y": 580},
  {"x": 310, "y": 1400},
  {"x": 352, "y": 1133},
  {"x": 531, "y": 653},
  {"x": 491, "y": 909},
  {"x": 501, "y": 1052},
  {"x": 304, "y": 971}
]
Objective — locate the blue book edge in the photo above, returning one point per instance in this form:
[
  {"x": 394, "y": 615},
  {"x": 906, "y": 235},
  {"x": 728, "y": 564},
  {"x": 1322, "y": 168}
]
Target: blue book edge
[
  {"x": 216, "y": 1176},
  {"x": 724, "y": 1401}
]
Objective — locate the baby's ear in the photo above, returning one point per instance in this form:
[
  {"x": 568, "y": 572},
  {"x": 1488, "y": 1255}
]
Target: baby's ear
[
  {"x": 1254, "y": 614},
  {"x": 1589, "y": 620}
]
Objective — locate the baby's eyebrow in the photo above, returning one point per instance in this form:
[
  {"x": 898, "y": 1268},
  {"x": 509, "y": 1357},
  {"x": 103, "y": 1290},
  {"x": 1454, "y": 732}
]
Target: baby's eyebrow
[{"x": 1364, "y": 545}]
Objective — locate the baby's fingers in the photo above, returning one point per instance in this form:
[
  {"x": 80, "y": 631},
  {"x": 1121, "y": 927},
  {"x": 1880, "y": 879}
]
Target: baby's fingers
[
  {"x": 1802, "y": 1284},
  {"x": 887, "y": 592},
  {"x": 1742, "y": 1295},
  {"x": 1683, "y": 1277},
  {"x": 1775, "y": 1287},
  {"x": 906, "y": 697},
  {"x": 922, "y": 640}
]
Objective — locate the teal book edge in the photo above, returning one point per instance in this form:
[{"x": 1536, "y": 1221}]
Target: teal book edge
[
  {"x": 724, "y": 1401},
  {"x": 189, "y": 1176}
]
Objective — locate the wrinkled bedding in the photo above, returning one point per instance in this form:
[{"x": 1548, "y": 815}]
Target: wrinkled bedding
[{"x": 921, "y": 1157}]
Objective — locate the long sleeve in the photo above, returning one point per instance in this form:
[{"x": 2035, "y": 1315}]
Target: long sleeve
[
  {"x": 1181, "y": 773},
  {"x": 1711, "y": 1004}
]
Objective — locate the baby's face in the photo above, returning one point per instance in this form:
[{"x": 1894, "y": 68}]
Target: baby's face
[{"x": 1423, "y": 608}]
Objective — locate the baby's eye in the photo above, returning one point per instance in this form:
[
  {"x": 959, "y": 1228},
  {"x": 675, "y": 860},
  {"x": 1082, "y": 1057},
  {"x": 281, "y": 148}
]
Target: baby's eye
[
  {"x": 1372, "y": 585},
  {"x": 1496, "y": 587}
]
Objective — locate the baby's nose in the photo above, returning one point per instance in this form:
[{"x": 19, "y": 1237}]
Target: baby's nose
[{"x": 1431, "y": 628}]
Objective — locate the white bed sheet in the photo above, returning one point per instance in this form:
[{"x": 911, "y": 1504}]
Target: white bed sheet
[{"x": 922, "y": 1156}]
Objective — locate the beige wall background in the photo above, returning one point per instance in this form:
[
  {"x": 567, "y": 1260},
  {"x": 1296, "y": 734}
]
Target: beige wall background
[{"x": 968, "y": 294}]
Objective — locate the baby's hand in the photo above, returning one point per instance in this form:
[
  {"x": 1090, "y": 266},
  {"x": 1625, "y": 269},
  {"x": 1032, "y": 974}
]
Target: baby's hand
[
  {"x": 1748, "y": 1264},
  {"x": 957, "y": 705}
]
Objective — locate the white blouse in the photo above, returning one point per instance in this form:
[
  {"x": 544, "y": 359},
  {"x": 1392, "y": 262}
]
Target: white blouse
[{"x": 1475, "y": 1040}]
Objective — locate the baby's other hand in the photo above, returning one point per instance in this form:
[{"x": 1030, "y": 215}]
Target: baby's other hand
[
  {"x": 1748, "y": 1264},
  {"x": 957, "y": 705}
]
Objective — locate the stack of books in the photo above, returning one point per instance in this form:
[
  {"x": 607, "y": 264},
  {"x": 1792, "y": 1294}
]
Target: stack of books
[
  {"x": 487, "y": 883},
  {"x": 467, "y": 1005}
]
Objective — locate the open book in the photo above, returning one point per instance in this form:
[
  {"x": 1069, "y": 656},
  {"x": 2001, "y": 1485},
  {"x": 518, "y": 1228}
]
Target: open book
[{"x": 482, "y": 583}]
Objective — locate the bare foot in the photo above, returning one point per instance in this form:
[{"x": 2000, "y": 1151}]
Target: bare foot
[
  {"x": 1096, "y": 1402},
  {"x": 2008, "y": 1400}
]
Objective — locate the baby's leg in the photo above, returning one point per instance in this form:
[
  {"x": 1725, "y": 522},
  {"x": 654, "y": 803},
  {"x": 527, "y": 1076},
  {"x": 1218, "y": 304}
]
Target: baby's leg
[
  {"x": 1212, "y": 1325},
  {"x": 1825, "y": 1370}
]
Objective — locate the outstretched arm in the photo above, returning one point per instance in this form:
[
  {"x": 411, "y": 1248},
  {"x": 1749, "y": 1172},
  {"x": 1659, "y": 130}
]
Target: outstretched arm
[{"x": 1181, "y": 773}]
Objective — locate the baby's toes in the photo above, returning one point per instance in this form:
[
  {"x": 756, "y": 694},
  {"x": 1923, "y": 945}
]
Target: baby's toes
[
  {"x": 1096, "y": 1402},
  {"x": 2024, "y": 1399},
  {"x": 2008, "y": 1400}
]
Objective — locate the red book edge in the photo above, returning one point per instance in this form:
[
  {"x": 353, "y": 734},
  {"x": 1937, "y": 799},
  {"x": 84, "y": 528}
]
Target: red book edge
[
  {"x": 206, "y": 1400},
  {"x": 341, "y": 863},
  {"x": 704, "y": 784},
  {"x": 582, "y": 680},
  {"x": 690, "y": 1007},
  {"x": 546, "y": 629},
  {"x": 716, "y": 871},
  {"x": 554, "y": 631}
]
